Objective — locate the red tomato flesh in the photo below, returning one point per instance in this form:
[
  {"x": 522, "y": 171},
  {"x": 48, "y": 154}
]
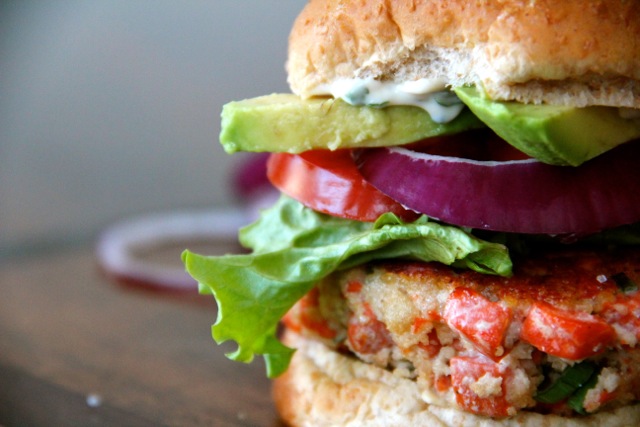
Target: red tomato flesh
[
  {"x": 329, "y": 182},
  {"x": 483, "y": 322},
  {"x": 568, "y": 334}
]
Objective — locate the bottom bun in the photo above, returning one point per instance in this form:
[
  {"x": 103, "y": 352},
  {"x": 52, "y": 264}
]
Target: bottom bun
[{"x": 325, "y": 388}]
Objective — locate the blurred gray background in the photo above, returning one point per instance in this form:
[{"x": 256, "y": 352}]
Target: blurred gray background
[{"x": 111, "y": 108}]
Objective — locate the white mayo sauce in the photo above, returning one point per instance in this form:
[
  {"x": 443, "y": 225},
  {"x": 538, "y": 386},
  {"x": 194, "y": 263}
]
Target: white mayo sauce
[
  {"x": 428, "y": 94},
  {"x": 431, "y": 95}
]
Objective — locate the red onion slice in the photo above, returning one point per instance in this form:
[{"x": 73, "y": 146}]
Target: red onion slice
[{"x": 523, "y": 196}]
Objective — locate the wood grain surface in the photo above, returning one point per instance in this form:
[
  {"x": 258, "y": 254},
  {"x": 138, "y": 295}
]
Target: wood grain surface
[{"x": 78, "y": 349}]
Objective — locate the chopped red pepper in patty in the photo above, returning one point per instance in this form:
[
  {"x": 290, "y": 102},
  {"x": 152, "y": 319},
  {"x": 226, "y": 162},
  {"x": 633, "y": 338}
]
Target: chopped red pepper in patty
[
  {"x": 483, "y": 322},
  {"x": 569, "y": 334}
]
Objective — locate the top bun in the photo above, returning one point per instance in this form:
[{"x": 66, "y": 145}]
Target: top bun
[{"x": 571, "y": 52}]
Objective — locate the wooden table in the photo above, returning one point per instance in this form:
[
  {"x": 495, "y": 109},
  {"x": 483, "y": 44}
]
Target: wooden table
[{"x": 77, "y": 349}]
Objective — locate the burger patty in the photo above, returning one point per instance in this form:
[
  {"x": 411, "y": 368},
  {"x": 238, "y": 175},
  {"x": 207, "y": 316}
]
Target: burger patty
[{"x": 486, "y": 344}]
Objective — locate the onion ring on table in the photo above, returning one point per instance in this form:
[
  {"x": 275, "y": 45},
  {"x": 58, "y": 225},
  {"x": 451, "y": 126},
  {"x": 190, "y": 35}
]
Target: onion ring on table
[{"x": 118, "y": 247}]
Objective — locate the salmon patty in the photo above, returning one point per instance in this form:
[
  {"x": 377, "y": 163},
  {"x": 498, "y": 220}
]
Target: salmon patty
[{"x": 559, "y": 336}]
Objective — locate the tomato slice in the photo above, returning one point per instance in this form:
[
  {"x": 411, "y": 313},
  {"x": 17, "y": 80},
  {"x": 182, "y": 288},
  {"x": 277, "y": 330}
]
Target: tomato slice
[
  {"x": 483, "y": 322},
  {"x": 329, "y": 182},
  {"x": 572, "y": 335},
  {"x": 480, "y": 385}
]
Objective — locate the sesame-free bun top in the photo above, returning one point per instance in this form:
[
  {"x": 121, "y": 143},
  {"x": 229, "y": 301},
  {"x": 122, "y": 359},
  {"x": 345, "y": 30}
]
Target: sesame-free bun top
[{"x": 572, "y": 52}]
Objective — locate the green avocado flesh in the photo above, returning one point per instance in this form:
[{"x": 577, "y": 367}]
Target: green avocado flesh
[
  {"x": 287, "y": 123},
  {"x": 558, "y": 135}
]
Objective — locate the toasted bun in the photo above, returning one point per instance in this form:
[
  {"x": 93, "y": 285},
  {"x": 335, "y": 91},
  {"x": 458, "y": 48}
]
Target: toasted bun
[
  {"x": 324, "y": 388},
  {"x": 572, "y": 52}
]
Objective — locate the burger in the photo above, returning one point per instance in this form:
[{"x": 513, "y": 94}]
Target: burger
[{"x": 458, "y": 238}]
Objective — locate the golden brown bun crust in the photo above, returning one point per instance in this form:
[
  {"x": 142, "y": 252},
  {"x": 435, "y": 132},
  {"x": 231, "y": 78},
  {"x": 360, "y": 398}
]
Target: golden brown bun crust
[
  {"x": 527, "y": 50},
  {"x": 324, "y": 388}
]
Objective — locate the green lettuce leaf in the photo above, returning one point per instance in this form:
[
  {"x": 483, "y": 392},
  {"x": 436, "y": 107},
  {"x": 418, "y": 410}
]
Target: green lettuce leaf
[{"x": 293, "y": 247}]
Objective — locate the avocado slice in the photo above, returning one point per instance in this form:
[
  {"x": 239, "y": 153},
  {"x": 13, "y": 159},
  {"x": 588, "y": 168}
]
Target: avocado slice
[
  {"x": 288, "y": 123},
  {"x": 554, "y": 134}
]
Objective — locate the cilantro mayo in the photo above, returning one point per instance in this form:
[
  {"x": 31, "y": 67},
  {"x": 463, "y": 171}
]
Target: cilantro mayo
[{"x": 429, "y": 94}]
